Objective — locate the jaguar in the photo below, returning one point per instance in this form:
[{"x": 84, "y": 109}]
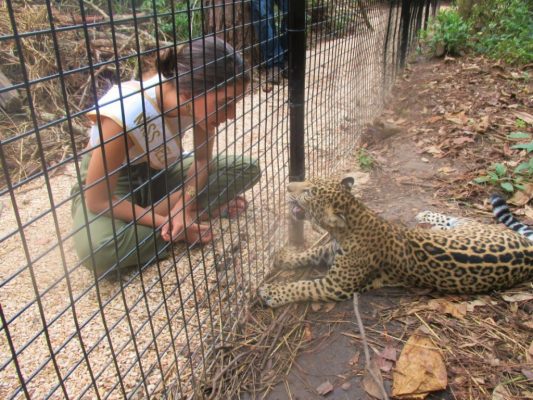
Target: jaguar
[{"x": 368, "y": 252}]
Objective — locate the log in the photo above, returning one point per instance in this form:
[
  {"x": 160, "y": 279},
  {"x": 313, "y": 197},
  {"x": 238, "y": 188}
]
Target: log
[{"x": 11, "y": 100}]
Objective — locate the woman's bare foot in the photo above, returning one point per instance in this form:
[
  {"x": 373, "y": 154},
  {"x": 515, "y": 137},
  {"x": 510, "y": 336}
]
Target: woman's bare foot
[
  {"x": 234, "y": 208},
  {"x": 231, "y": 210}
]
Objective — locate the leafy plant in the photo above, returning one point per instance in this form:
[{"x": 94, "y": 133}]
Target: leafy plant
[
  {"x": 187, "y": 21},
  {"x": 499, "y": 175},
  {"x": 520, "y": 123},
  {"x": 447, "y": 31},
  {"x": 519, "y": 135},
  {"x": 365, "y": 159},
  {"x": 500, "y": 29},
  {"x": 524, "y": 146},
  {"x": 528, "y": 147},
  {"x": 504, "y": 29}
]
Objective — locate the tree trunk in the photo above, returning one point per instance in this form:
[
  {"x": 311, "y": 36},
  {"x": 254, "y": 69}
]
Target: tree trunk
[
  {"x": 464, "y": 7},
  {"x": 231, "y": 20}
]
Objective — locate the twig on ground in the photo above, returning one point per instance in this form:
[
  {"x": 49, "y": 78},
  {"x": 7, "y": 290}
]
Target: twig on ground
[
  {"x": 361, "y": 327},
  {"x": 96, "y": 8}
]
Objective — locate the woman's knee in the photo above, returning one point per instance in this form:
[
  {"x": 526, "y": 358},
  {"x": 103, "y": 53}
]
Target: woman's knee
[
  {"x": 132, "y": 247},
  {"x": 251, "y": 170}
]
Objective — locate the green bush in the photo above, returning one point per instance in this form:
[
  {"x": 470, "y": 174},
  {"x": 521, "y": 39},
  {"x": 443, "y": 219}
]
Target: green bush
[
  {"x": 187, "y": 22},
  {"x": 447, "y": 33},
  {"x": 500, "y": 29},
  {"x": 504, "y": 30}
]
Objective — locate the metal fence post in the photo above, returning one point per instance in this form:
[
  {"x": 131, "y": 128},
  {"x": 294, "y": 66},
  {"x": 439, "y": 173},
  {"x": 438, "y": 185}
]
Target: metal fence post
[
  {"x": 405, "y": 28},
  {"x": 296, "y": 49}
]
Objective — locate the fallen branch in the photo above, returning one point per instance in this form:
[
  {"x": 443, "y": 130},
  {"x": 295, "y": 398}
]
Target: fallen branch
[{"x": 376, "y": 379}]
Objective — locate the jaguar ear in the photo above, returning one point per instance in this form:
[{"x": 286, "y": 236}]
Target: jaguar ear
[
  {"x": 348, "y": 182},
  {"x": 334, "y": 220}
]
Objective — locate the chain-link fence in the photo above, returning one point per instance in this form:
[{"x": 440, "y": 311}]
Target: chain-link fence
[{"x": 124, "y": 126}]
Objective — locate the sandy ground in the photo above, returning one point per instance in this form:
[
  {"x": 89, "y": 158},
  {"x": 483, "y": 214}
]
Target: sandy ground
[{"x": 134, "y": 336}]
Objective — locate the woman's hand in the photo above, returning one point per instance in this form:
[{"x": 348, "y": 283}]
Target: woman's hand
[{"x": 183, "y": 226}]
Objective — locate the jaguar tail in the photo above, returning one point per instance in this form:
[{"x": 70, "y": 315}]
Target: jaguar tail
[{"x": 503, "y": 214}]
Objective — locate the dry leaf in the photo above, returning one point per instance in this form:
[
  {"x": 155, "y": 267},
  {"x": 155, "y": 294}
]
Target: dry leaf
[
  {"x": 420, "y": 369},
  {"x": 432, "y": 150},
  {"x": 316, "y": 306},
  {"x": 471, "y": 305},
  {"x": 517, "y": 297},
  {"x": 528, "y": 212},
  {"x": 500, "y": 393},
  {"x": 369, "y": 384},
  {"x": 483, "y": 124},
  {"x": 389, "y": 353},
  {"x": 463, "y": 140},
  {"x": 524, "y": 116},
  {"x": 384, "y": 364},
  {"x": 346, "y": 385},
  {"x": 434, "y": 119},
  {"x": 459, "y": 119},
  {"x": 446, "y": 170},
  {"x": 355, "y": 359},
  {"x": 521, "y": 197},
  {"x": 457, "y": 310},
  {"x": 328, "y": 307},
  {"x": 324, "y": 388},
  {"x": 528, "y": 373},
  {"x": 308, "y": 333}
]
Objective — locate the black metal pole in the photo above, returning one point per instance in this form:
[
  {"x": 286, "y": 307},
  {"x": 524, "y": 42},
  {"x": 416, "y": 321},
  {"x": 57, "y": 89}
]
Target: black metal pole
[
  {"x": 386, "y": 47},
  {"x": 296, "y": 49},
  {"x": 404, "y": 27},
  {"x": 426, "y": 14}
]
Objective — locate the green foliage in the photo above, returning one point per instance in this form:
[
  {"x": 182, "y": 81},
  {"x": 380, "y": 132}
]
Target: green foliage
[
  {"x": 187, "y": 21},
  {"x": 447, "y": 31},
  {"x": 504, "y": 29},
  {"x": 519, "y": 135},
  {"x": 499, "y": 175},
  {"x": 365, "y": 159},
  {"x": 520, "y": 123},
  {"x": 500, "y": 29}
]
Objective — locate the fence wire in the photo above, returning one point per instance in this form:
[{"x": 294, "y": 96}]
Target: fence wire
[{"x": 147, "y": 325}]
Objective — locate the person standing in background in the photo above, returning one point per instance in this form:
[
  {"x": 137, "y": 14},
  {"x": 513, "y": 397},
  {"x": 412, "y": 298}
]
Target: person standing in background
[{"x": 272, "y": 41}]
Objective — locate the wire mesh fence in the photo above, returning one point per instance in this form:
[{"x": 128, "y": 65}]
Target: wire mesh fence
[{"x": 124, "y": 121}]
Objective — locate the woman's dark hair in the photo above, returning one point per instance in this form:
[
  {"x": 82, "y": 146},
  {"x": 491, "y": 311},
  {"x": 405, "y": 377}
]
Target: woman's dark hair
[{"x": 202, "y": 65}]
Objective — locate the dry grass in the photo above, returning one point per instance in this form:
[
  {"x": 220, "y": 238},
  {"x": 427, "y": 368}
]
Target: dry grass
[
  {"x": 488, "y": 345},
  {"x": 50, "y": 100}
]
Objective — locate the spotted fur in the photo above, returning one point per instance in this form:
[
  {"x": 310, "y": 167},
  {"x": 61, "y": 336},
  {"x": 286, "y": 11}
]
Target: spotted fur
[
  {"x": 501, "y": 212},
  {"x": 440, "y": 221},
  {"x": 369, "y": 252}
]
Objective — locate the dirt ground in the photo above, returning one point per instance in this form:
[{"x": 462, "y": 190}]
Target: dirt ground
[{"x": 446, "y": 122}]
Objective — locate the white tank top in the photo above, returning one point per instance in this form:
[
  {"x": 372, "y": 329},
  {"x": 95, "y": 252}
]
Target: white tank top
[{"x": 150, "y": 140}]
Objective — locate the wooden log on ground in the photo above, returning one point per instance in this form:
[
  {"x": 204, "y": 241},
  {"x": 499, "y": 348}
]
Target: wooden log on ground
[{"x": 10, "y": 101}]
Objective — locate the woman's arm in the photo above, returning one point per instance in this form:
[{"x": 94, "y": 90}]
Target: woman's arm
[
  {"x": 183, "y": 213},
  {"x": 98, "y": 197},
  {"x": 198, "y": 174}
]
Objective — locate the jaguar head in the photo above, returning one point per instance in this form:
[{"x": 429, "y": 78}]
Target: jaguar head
[{"x": 321, "y": 201}]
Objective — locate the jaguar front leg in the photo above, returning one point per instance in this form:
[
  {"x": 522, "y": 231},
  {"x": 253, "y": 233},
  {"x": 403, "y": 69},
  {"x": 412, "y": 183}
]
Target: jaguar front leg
[
  {"x": 341, "y": 281},
  {"x": 320, "y": 256}
]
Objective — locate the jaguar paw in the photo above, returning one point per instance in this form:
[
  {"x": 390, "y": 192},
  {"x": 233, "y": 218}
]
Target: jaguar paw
[
  {"x": 284, "y": 259},
  {"x": 268, "y": 295}
]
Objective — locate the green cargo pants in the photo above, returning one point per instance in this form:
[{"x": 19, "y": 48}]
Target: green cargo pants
[{"x": 130, "y": 244}]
